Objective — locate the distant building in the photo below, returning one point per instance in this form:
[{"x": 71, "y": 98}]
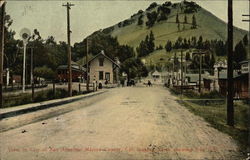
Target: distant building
[
  {"x": 78, "y": 72},
  {"x": 103, "y": 69}
]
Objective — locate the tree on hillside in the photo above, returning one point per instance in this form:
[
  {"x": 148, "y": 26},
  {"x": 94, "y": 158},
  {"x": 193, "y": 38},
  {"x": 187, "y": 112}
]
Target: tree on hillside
[
  {"x": 152, "y": 17},
  {"x": 168, "y": 46},
  {"x": 194, "y": 24},
  {"x": 245, "y": 40},
  {"x": 140, "y": 21},
  {"x": 240, "y": 53},
  {"x": 151, "y": 44},
  {"x": 177, "y": 18},
  {"x": 187, "y": 57},
  {"x": 179, "y": 27},
  {"x": 200, "y": 43},
  {"x": 185, "y": 19}
]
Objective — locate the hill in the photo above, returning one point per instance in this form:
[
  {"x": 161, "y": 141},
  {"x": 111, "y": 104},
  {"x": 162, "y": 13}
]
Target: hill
[{"x": 208, "y": 25}]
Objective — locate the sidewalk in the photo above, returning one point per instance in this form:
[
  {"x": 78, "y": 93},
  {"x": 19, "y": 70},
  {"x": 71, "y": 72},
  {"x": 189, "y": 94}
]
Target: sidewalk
[{"x": 14, "y": 111}]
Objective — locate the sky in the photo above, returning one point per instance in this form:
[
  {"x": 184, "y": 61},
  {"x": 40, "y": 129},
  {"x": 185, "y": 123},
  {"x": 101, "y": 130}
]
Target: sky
[{"x": 49, "y": 17}]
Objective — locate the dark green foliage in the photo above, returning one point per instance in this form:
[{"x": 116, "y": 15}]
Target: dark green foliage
[
  {"x": 240, "y": 52},
  {"x": 190, "y": 7},
  {"x": 127, "y": 22},
  {"x": 151, "y": 44},
  {"x": 162, "y": 17},
  {"x": 140, "y": 21},
  {"x": 187, "y": 57},
  {"x": 168, "y": 46},
  {"x": 177, "y": 18},
  {"x": 185, "y": 19},
  {"x": 108, "y": 30},
  {"x": 151, "y": 6},
  {"x": 152, "y": 17},
  {"x": 140, "y": 12},
  {"x": 167, "y": 4},
  {"x": 120, "y": 24},
  {"x": 133, "y": 67},
  {"x": 194, "y": 23},
  {"x": 245, "y": 40},
  {"x": 147, "y": 46}
]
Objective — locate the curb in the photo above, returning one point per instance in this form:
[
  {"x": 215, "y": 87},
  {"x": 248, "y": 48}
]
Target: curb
[{"x": 38, "y": 107}]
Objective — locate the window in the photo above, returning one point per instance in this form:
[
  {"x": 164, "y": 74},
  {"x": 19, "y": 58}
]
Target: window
[
  {"x": 107, "y": 76},
  {"x": 100, "y": 75},
  {"x": 101, "y": 60}
]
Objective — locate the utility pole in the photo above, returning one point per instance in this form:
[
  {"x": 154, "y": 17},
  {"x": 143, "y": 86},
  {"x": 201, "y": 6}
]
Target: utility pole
[
  {"x": 2, "y": 51},
  {"x": 181, "y": 72},
  {"x": 87, "y": 66},
  {"x": 230, "y": 83},
  {"x": 200, "y": 73},
  {"x": 32, "y": 71},
  {"x": 68, "y": 5}
]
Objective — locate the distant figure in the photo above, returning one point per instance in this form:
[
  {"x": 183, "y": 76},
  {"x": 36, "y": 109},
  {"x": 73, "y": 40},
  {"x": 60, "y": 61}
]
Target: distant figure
[
  {"x": 106, "y": 82},
  {"x": 149, "y": 83}
]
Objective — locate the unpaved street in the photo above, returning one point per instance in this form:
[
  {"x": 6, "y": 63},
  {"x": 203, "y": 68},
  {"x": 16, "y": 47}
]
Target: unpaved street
[{"x": 129, "y": 123}]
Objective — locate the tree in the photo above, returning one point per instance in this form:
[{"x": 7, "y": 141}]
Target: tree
[
  {"x": 245, "y": 40},
  {"x": 185, "y": 19},
  {"x": 200, "y": 43},
  {"x": 194, "y": 24},
  {"x": 133, "y": 67},
  {"x": 177, "y": 18},
  {"x": 179, "y": 27},
  {"x": 168, "y": 46},
  {"x": 140, "y": 21},
  {"x": 44, "y": 72},
  {"x": 240, "y": 53},
  {"x": 151, "y": 44},
  {"x": 152, "y": 17},
  {"x": 187, "y": 57}
]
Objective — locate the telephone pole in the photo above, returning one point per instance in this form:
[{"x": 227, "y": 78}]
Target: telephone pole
[
  {"x": 2, "y": 51},
  {"x": 68, "y": 5},
  {"x": 230, "y": 83},
  {"x": 87, "y": 66},
  {"x": 181, "y": 73},
  {"x": 200, "y": 68}
]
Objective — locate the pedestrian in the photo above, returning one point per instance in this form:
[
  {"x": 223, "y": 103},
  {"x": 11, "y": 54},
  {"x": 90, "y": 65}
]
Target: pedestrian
[{"x": 149, "y": 83}]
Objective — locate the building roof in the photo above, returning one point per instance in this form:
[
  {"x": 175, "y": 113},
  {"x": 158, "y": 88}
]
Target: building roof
[
  {"x": 156, "y": 73},
  {"x": 73, "y": 67},
  {"x": 103, "y": 54}
]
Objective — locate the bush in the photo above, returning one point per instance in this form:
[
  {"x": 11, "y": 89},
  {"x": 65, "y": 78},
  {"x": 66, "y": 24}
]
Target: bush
[{"x": 152, "y": 5}]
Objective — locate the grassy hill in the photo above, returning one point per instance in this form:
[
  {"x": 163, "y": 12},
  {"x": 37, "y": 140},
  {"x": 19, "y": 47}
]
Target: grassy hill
[{"x": 209, "y": 26}]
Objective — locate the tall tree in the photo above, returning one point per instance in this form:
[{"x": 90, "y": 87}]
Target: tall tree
[
  {"x": 194, "y": 23},
  {"x": 151, "y": 44},
  {"x": 185, "y": 19},
  {"x": 240, "y": 53},
  {"x": 177, "y": 18},
  {"x": 168, "y": 46}
]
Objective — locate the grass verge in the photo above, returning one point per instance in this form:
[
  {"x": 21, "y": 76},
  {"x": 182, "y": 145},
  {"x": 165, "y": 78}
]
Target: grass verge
[{"x": 215, "y": 113}]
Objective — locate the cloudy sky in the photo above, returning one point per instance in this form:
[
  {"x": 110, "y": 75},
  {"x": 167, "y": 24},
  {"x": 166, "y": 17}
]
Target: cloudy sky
[{"x": 49, "y": 17}]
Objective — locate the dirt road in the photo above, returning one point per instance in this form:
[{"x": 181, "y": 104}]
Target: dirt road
[{"x": 130, "y": 123}]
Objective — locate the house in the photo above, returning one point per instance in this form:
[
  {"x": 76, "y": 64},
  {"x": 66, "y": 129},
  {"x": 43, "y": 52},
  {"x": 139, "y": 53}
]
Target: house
[
  {"x": 78, "y": 72},
  {"x": 103, "y": 69}
]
